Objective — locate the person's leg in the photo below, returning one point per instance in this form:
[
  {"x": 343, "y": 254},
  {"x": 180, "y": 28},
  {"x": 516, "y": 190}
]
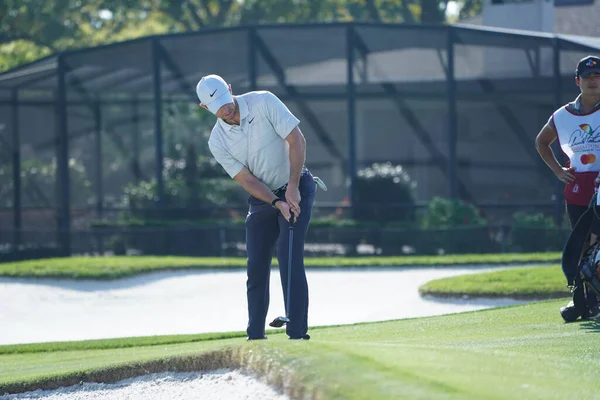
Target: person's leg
[
  {"x": 298, "y": 312},
  {"x": 595, "y": 227},
  {"x": 592, "y": 299},
  {"x": 261, "y": 235},
  {"x": 576, "y": 307},
  {"x": 584, "y": 300},
  {"x": 575, "y": 212}
]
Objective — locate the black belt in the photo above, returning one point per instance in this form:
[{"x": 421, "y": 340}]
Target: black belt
[
  {"x": 277, "y": 192},
  {"x": 280, "y": 190}
]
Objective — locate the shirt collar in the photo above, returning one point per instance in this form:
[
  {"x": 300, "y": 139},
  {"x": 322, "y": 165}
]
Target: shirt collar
[
  {"x": 577, "y": 104},
  {"x": 243, "y": 106}
]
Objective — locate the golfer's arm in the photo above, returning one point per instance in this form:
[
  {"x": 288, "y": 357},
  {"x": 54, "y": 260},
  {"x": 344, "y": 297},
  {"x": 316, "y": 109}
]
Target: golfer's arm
[
  {"x": 542, "y": 144},
  {"x": 254, "y": 186},
  {"x": 297, "y": 144}
]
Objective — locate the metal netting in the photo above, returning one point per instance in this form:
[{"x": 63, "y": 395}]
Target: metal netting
[
  {"x": 504, "y": 97},
  {"x": 458, "y": 108}
]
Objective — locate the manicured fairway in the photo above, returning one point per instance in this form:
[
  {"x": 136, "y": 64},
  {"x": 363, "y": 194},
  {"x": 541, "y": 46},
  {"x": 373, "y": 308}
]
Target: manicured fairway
[{"x": 519, "y": 352}]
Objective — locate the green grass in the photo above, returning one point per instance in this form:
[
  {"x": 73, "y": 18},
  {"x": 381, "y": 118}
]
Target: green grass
[
  {"x": 120, "y": 343},
  {"x": 118, "y": 267},
  {"x": 526, "y": 282},
  {"x": 520, "y": 352}
]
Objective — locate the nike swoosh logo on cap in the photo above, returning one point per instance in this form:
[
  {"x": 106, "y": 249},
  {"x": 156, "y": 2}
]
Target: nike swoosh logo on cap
[{"x": 213, "y": 93}]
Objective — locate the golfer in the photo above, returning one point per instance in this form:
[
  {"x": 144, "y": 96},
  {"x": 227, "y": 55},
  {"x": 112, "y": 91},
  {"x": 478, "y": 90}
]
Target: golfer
[
  {"x": 256, "y": 139},
  {"x": 576, "y": 125}
]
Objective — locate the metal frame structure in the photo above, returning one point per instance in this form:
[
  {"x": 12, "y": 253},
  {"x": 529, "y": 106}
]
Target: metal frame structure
[{"x": 57, "y": 74}]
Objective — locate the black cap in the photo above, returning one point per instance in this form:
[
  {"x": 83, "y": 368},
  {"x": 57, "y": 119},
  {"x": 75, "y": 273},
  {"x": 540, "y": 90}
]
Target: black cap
[{"x": 587, "y": 65}]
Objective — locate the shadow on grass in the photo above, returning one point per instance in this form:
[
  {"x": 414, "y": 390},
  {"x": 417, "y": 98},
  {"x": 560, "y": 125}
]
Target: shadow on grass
[{"x": 591, "y": 325}]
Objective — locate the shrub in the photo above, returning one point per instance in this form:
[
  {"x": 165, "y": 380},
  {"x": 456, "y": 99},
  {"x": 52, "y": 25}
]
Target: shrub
[
  {"x": 117, "y": 245},
  {"x": 191, "y": 188},
  {"x": 535, "y": 232},
  {"x": 451, "y": 213},
  {"x": 38, "y": 183},
  {"x": 454, "y": 226},
  {"x": 379, "y": 185}
]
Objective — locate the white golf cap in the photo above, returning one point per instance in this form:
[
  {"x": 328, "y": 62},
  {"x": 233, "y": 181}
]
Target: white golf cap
[{"x": 213, "y": 92}]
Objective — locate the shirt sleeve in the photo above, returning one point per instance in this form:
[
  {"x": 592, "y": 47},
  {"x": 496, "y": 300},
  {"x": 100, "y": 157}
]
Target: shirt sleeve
[
  {"x": 223, "y": 157},
  {"x": 281, "y": 118}
]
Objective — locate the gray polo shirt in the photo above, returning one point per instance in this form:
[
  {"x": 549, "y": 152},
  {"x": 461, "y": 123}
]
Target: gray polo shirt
[{"x": 258, "y": 143}]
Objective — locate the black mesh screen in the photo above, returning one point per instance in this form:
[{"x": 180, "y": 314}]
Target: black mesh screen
[
  {"x": 505, "y": 90},
  {"x": 505, "y": 95},
  {"x": 401, "y": 113},
  {"x": 187, "y": 58}
]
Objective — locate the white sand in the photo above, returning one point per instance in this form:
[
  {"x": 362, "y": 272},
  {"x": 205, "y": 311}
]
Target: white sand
[
  {"x": 217, "y": 385},
  {"x": 191, "y": 302}
]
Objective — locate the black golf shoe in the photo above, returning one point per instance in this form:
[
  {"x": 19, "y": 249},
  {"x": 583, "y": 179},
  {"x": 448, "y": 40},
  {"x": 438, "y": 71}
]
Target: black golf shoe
[
  {"x": 592, "y": 313},
  {"x": 305, "y": 337},
  {"x": 570, "y": 313},
  {"x": 256, "y": 338}
]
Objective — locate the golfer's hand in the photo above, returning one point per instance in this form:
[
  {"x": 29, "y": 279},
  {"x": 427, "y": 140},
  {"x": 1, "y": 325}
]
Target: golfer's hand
[
  {"x": 284, "y": 209},
  {"x": 565, "y": 175},
  {"x": 292, "y": 197}
]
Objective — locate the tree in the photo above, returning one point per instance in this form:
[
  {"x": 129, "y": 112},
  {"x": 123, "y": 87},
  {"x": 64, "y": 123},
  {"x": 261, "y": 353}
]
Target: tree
[
  {"x": 30, "y": 29},
  {"x": 58, "y": 24},
  {"x": 53, "y": 25},
  {"x": 197, "y": 14},
  {"x": 470, "y": 8}
]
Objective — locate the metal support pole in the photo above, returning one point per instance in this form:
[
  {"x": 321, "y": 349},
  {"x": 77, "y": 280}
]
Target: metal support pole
[
  {"x": 252, "y": 59},
  {"x": 351, "y": 116},
  {"x": 135, "y": 120},
  {"x": 16, "y": 171},
  {"x": 452, "y": 120},
  {"x": 558, "y": 186},
  {"x": 158, "y": 128},
  {"x": 538, "y": 58},
  {"x": 62, "y": 159},
  {"x": 98, "y": 161}
]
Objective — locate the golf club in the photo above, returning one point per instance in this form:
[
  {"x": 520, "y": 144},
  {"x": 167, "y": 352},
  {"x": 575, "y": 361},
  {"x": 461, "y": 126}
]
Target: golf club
[
  {"x": 280, "y": 321},
  {"x": 320, "y": 183}
]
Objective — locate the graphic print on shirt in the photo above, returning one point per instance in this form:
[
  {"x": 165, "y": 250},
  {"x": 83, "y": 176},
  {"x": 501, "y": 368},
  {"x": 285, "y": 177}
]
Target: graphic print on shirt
[
  {"x": 584, "y": 137},
  {"x": 586, "y": 140}
]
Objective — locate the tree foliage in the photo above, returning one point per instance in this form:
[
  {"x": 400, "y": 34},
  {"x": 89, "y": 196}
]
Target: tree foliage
[{"x": 30, "y": 29}]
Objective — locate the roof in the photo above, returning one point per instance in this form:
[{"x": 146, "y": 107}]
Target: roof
[{"x": 398, "y": 49}]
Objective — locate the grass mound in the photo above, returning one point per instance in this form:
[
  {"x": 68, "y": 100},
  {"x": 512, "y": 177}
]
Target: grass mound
[
  {"x": 542, "y": 282},
  {"x": 122, "y": 266},
  {"x": 121, "y": 343}
]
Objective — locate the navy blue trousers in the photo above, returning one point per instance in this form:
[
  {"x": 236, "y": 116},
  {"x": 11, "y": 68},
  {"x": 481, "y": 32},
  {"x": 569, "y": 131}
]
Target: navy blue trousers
[{"x": 265, "y": 229}]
